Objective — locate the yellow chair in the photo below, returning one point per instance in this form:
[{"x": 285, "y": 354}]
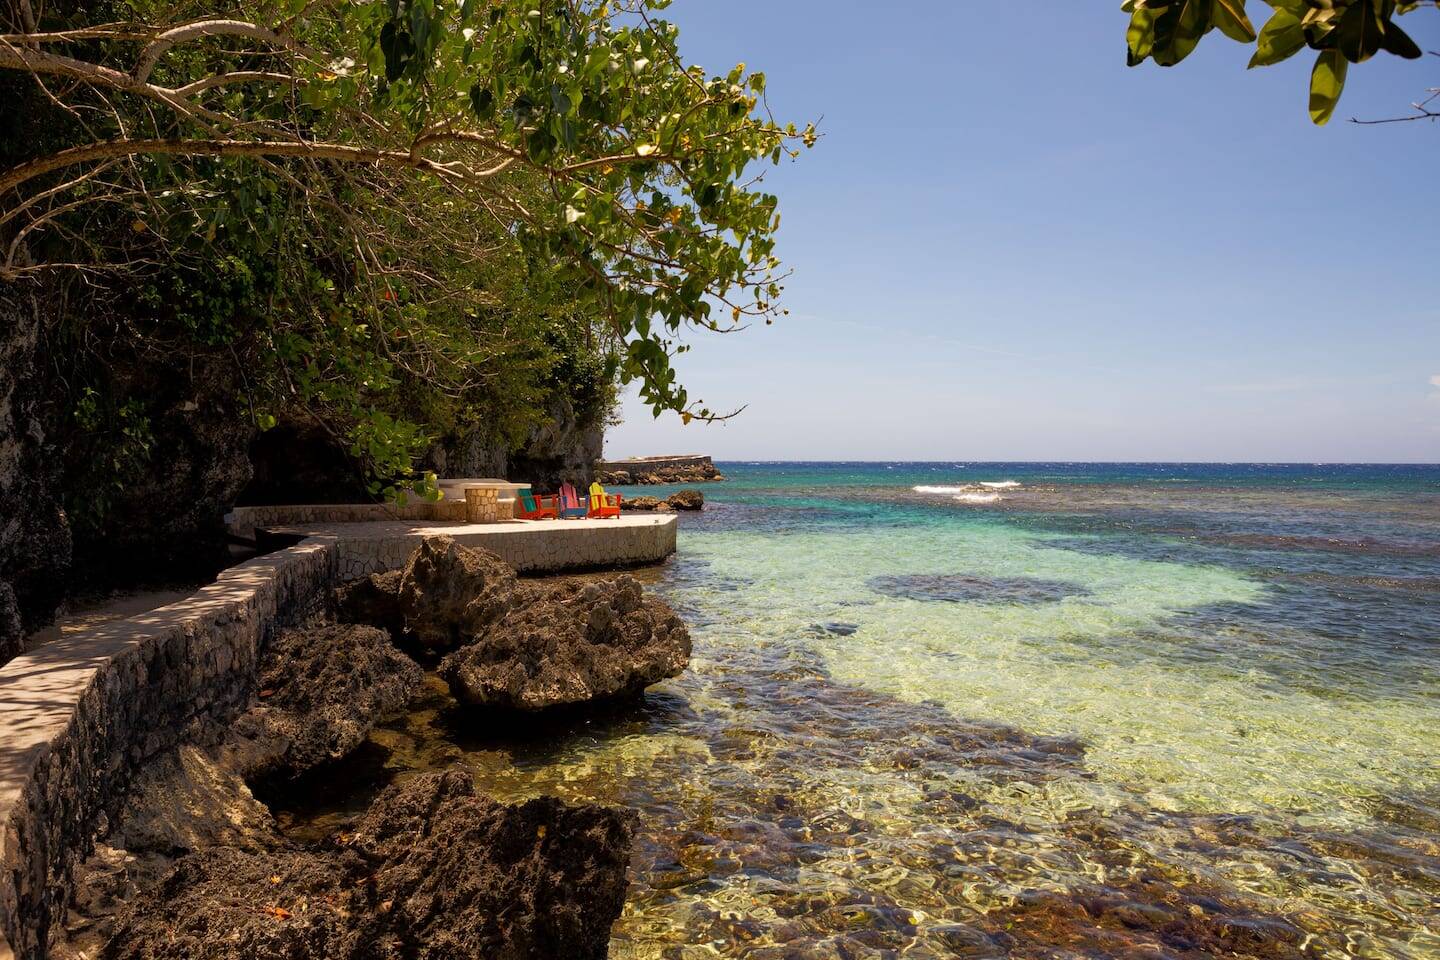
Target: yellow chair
[{"x": 603, "y": 504}]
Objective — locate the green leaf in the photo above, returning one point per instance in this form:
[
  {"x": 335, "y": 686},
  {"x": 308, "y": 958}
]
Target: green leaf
[
  {"x": 1140, "y": 38},
  {"x": 1398, "y": 42},
  {"x": 397, "y": 47},
  {"x": 1357, "y": 33},
  {"x": 1327, "y": 81},
  {"x": 1229, "y": 17},
  {"x": 482, "y": 101},
  {"x": 1282, "y": 37},
  {"x": 1179, "y": 29}
]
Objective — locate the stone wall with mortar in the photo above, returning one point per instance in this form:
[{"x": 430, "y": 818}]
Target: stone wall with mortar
[
  {"x": 644, "y": 465},
  {"x": 244, "y": 521},
  {"x": 79, "y": 714},
  {"x": 542, "y": 546}
]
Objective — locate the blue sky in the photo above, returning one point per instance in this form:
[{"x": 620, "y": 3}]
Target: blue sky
[{"x": 1009, "y": 246}]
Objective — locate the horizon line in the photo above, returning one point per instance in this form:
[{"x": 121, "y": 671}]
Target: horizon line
[{"x": 1198, "y": 463}]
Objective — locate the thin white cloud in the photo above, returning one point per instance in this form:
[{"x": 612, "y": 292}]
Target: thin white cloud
[{"x": 1297, "y": 384}]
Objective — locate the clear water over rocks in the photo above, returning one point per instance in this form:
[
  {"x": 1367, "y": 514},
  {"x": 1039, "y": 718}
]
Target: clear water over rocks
[{"x": 1139, "y": 710}]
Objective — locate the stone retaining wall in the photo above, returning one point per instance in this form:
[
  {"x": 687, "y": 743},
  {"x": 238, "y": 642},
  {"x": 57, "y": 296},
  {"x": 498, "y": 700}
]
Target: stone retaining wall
[
  {"x": 689, "y": 468},
  {"x": 654, "y": 464},
  {"x": 79, "y": 714},
  {"x": 244, "y": 521}
]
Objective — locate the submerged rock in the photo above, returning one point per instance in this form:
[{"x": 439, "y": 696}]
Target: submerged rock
[
  {"x": 963, "y": 588},
  {"x": 433, "y": 871},
  {"x": 570, "y": 644},
  {"x": 686, "y": 500},
  {"x": 449, "y": 594},
  {"x": 321, "y": 693}
]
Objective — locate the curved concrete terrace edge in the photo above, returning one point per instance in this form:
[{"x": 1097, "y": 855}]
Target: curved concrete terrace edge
[{"x": 78, "y": 714}]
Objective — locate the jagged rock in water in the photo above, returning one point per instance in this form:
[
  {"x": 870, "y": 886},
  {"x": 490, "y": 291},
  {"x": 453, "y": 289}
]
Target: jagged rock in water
[
  {"x": 616, "y": 478},
  {"x": 470, "y": 877},
  {"x": 374, "y": 600},
  {"x": 434, "y": 872},
  {"x": 686, "y": 500},
  {"x": 571, "y": 644},
  {"x": 450, "y": 594},
  {"x": 640, "y": 503},
  {"x": 321, "y": 692}
]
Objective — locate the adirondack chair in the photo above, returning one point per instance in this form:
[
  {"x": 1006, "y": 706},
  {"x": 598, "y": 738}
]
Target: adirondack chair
[
  {"x": 531, "y": 507},
  {"x": 570, "y": 505},
  {"x": 603, "y": 504}
]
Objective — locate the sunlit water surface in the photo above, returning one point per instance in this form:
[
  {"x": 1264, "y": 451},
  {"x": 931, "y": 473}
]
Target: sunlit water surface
[{"x": 1109, "y": 711}]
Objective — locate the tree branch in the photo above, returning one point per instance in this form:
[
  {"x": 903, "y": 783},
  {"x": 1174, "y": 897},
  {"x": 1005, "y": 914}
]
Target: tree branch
[
  {"x": 217, "y": 148},
  {"x": 150, "y": 56}
]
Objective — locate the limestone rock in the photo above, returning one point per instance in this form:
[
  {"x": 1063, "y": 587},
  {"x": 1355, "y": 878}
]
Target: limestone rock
[
  {"x": 469, "y": 877},
  {"x": 664, "y": 506},
  {"x": 450, "y": 594},
  {"x": 321, "y": 693},
  {"x": 186, "y": 800},
  {"x": 374, "y": 600},
  {"x": 640, "y": 503},
  {"x": 615, "y": 478},
  {"x": 686, "y": 500},
  {"x": 571, "y": 644},
  {"x": 434, "y": 871}
]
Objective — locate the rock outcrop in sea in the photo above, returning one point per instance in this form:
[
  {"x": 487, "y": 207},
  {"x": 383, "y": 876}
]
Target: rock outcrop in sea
[
  {"x": 686, "y": 500},
  {"x": 571, "y": 644},
  {"x": 321, "y": 692},
  {"x": 451, "y": 594},
  {"x": 679, "y": 500},
  {"x": 522, "y": 646},
  {"x": 689, "y": 468}
]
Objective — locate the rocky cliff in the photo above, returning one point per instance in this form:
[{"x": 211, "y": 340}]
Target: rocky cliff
[
  {"x": 564, "y": 447},
  {"x": 117, "y": 469},
  {"x": 35, "y": 544}
]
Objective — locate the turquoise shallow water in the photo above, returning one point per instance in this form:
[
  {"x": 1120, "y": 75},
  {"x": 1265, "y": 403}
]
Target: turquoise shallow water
[{"x": 1022, "y": 710}]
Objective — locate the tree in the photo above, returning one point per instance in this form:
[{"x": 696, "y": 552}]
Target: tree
[
  {"x": 373, "y": 181},
  {"x": 1341, "y": 32}
]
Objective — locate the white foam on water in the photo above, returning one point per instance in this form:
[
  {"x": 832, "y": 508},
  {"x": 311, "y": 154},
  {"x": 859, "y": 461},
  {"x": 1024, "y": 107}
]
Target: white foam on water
[
  {"x": 929, "y": 489},
  {"x": 1000, "y": 484},
  {"x": 976, "y": 497}
]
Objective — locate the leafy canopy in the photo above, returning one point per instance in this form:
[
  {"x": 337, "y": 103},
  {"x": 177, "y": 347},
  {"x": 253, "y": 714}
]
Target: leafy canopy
[
  {"x": 1341, "y": 32},
  {"x": 396, "y": 193}
]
